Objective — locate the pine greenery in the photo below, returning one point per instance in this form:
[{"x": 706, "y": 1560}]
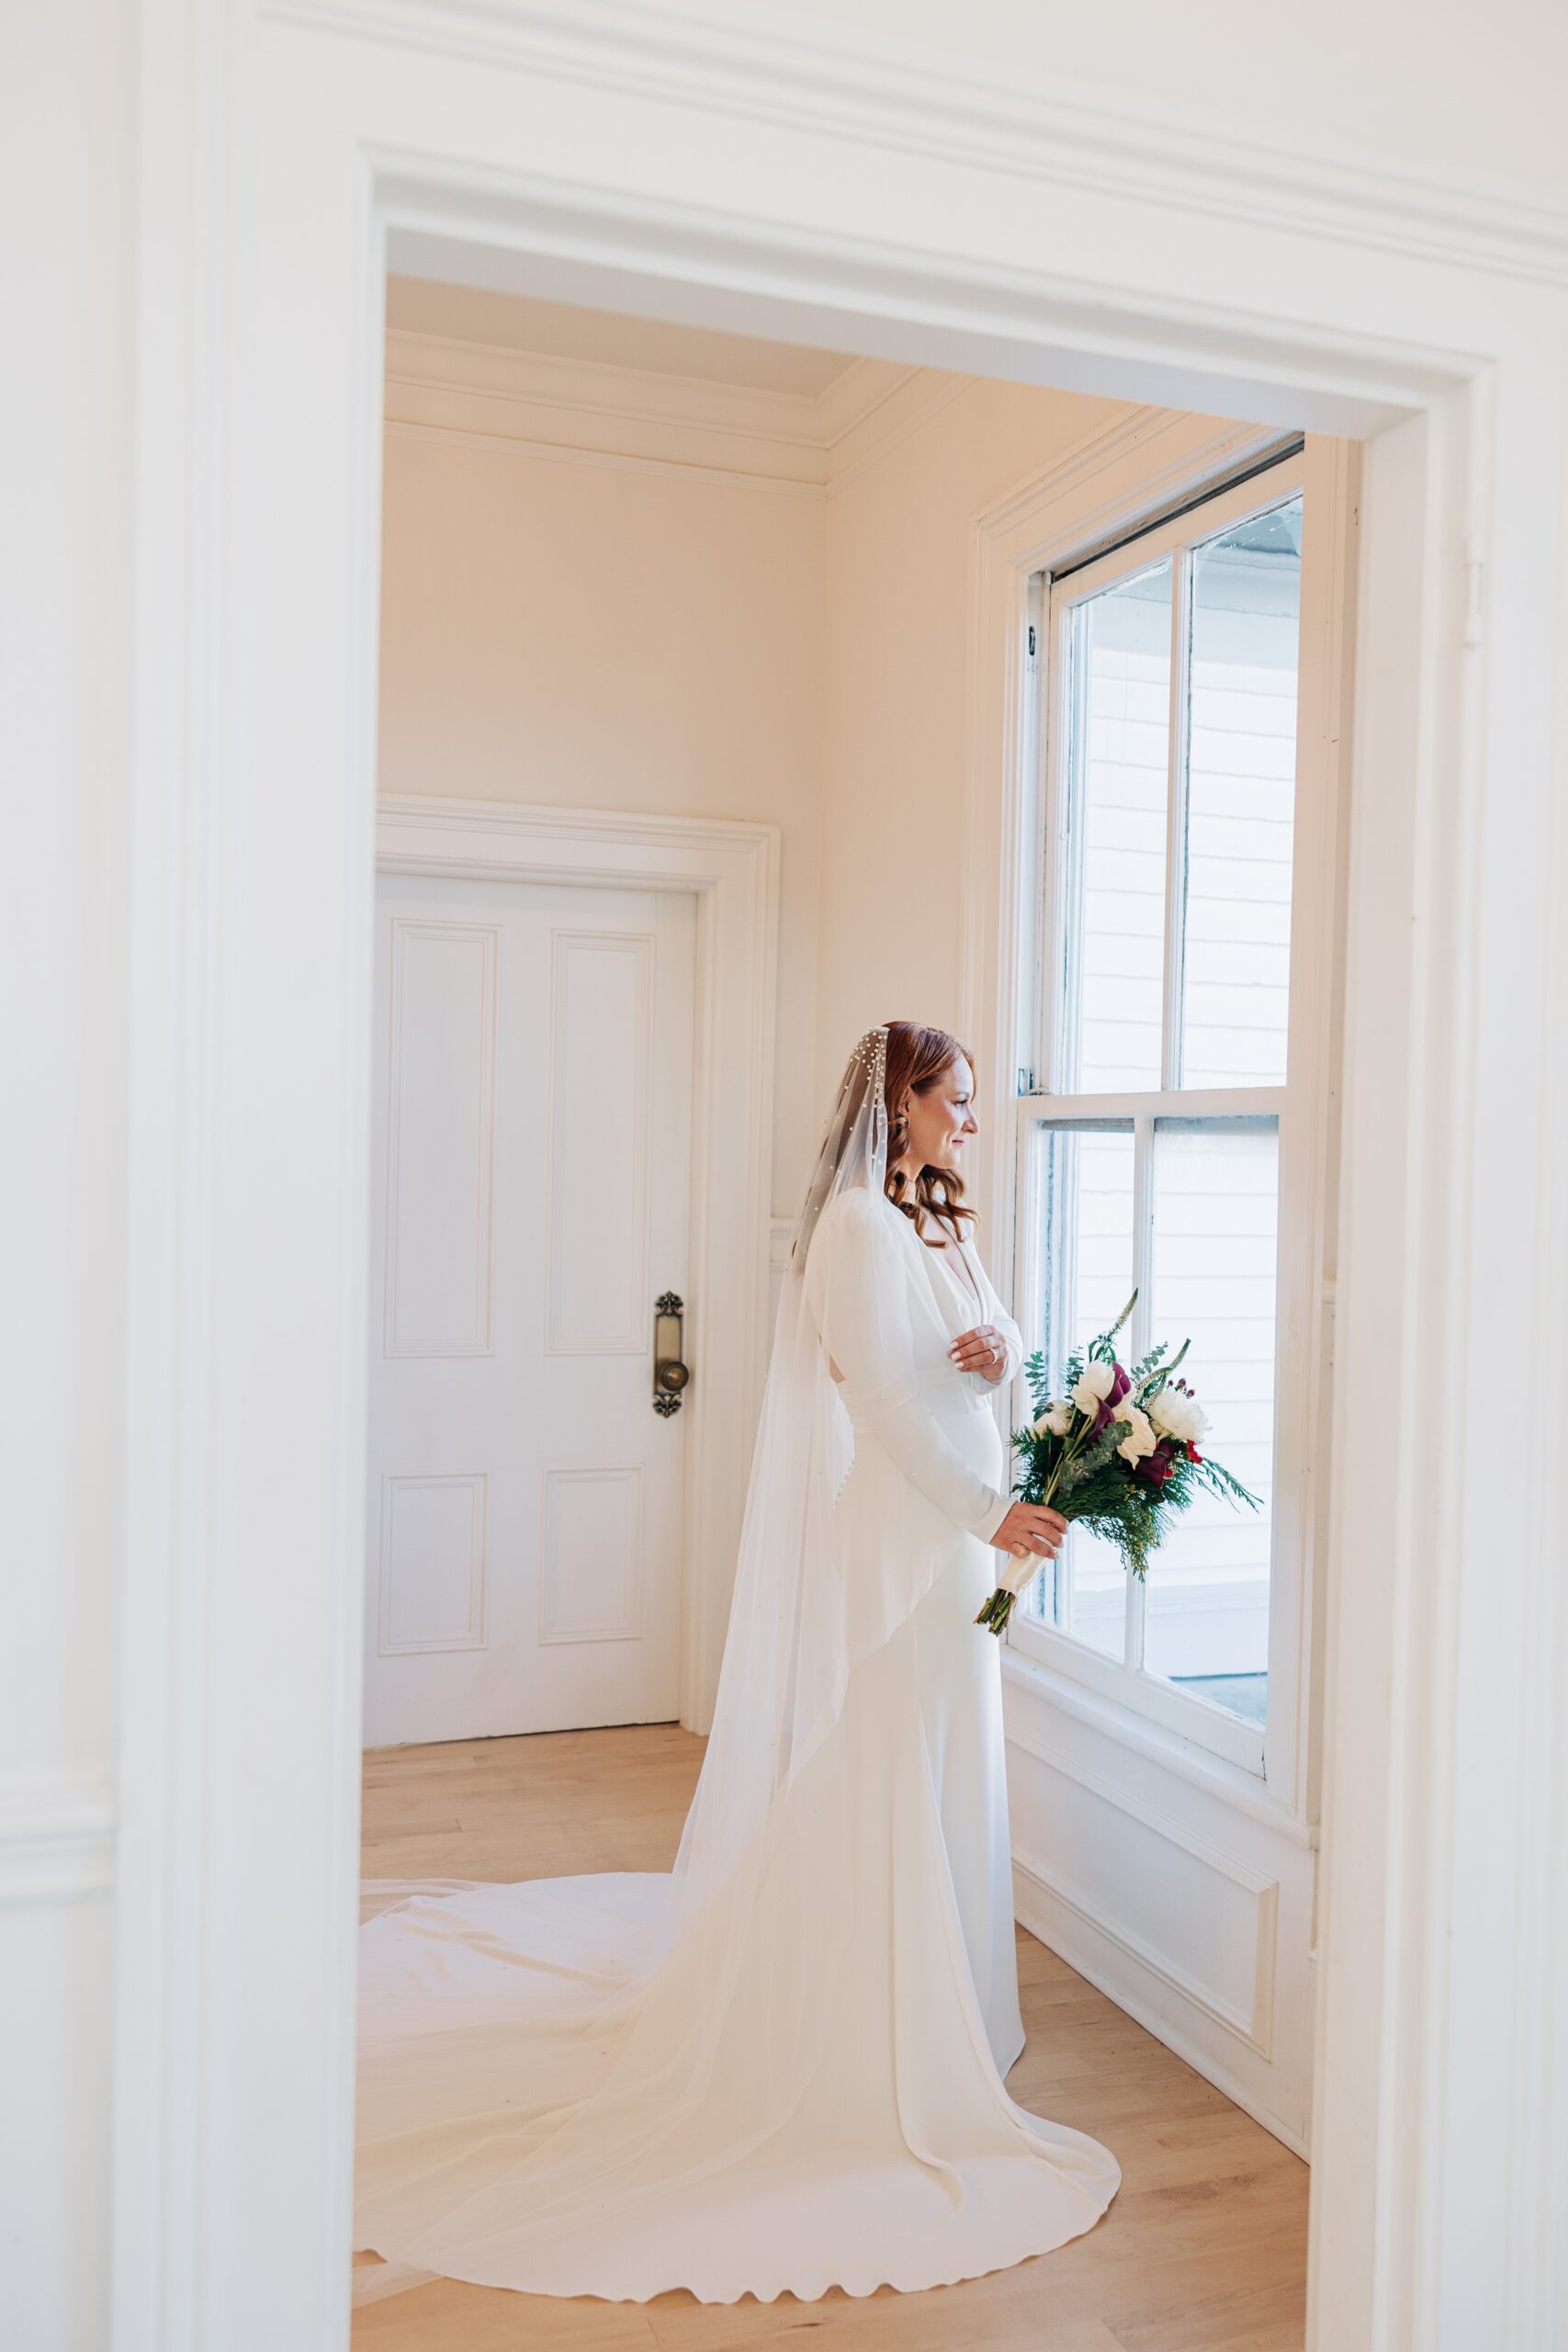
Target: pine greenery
[{"x": 1083, "y": 1472}]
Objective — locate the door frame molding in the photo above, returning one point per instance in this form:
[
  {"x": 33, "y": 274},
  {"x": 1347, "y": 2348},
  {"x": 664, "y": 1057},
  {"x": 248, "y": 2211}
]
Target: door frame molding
[{"x": 732, "y": 867}]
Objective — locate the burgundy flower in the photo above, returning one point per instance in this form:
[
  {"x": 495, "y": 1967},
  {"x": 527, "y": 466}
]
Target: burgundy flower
[
  {"x": 1120, "y": 1384},
  {"x": 1154, "y": 1468}
]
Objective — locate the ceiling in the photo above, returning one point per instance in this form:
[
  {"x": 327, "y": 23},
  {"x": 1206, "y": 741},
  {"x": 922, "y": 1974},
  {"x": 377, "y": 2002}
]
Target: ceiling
[{"x": 518, "y": 322}]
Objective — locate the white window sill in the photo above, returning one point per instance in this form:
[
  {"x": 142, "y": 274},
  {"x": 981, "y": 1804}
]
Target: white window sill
[{"x": 1030, "y": 1678}]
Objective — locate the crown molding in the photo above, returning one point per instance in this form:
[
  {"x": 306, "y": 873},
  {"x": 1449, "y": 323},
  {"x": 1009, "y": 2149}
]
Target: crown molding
[
  {"x": 463, "y": 437},
  {"x": 586, "y": 409},
  {"x": 644, "y": 417},
  {"x": 856, "y": 395},
  {"x": 495, "y": 371},
  {"x": 922, "y": 395},
  {"x": 417, "y": 813},
  {"x": 908, "y": 96},
  {"x": 1145, "y": 457}
]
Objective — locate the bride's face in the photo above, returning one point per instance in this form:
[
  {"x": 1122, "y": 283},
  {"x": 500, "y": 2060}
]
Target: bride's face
[{"x": 942, "y": 1120}]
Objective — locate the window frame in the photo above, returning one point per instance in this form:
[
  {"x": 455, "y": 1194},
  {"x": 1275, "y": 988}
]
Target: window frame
[{"x": 1268, "y": 1751}]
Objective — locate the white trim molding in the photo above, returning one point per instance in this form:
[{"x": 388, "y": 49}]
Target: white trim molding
[
  {"x": 650, "y": 419},
  {"x": 1126, "y": 1968},
  {"x": 1251, "y": 2028},
  {"x": 906, "y": 97},
  {"x": 732, "y": 868},
  {"x": 56, "y": 1843},
  {"x": 1254, "y": 2024}
]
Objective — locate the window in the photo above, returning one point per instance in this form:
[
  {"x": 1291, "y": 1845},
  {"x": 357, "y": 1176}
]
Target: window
[{"x": 1151, "y": 1134}]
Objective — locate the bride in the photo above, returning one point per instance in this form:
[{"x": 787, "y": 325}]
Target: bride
[{"x": 779, "y": 2068}]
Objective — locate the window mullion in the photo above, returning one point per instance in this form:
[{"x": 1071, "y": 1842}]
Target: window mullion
[
  {"x": 1066, "y": 1271},
  {"x": 1066, "y": 946},
  {"x": 1049, "y": 1108},
  {"x": 1178, "y": 737},
  {"x": 1139, "y": 1341}
]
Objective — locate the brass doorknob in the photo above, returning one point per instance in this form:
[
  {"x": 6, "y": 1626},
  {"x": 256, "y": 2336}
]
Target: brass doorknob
[{"x": 671, "y": 1373}]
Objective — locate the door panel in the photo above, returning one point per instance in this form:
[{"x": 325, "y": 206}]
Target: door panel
[
  {"x": 599, "y": 1083},
  {"x": 440, "y": 1136},
  {"x": 532, "y": 1160}
]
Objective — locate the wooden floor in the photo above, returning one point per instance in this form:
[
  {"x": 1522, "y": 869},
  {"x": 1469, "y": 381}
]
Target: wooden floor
[{"x": 1203, "y": 2250}]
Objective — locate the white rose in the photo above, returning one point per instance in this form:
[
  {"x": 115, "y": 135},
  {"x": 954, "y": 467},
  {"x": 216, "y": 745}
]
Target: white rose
[
  {"x": 1175, "y": 1413},
  {"x": 1140, "y": 1439},
  {"x": 1092, "y": 1390},
  {"x": 1055, "y": 1421}
]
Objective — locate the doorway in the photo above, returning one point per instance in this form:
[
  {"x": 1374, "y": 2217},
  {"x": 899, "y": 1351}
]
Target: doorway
[
  {"x": 588, "y": 996},
  {"x": 492, "y": 550},
  {"x": 530, "y": 1202}
]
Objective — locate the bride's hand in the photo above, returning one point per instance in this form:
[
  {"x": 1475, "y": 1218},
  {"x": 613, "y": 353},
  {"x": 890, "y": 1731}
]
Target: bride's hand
[
  {"x": 1033, "y": 1527},
  {"x": 983, "y": 1350}
]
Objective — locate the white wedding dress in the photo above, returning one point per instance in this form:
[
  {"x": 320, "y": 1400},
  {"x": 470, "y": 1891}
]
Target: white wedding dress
[{"x": 779, "y": 2068}]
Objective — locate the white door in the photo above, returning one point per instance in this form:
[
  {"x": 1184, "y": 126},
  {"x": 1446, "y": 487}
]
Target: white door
[{"x": 531, "y": 1173}]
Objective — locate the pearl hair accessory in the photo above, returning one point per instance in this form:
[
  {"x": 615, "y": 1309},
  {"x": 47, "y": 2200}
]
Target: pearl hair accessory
[{"x": 871, "y": 1050}]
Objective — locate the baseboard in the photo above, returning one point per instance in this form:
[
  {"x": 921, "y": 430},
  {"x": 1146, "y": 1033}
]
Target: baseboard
[{"x": 1037, "y": 1907}]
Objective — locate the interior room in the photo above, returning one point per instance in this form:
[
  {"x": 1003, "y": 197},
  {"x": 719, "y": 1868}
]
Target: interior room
[{"x": 648, "y": 580}]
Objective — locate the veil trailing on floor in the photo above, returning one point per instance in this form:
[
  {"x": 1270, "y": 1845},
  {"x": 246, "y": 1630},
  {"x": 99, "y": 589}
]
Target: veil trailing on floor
[{"x": 537, "y": 2053}]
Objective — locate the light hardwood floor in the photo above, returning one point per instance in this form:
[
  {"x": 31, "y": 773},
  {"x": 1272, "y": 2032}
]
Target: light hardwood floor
[{"x": 1203, "y": 2250}]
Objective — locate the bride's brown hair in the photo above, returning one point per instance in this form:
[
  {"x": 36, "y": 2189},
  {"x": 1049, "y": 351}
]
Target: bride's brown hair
[{"x": 917, "y": 1057}]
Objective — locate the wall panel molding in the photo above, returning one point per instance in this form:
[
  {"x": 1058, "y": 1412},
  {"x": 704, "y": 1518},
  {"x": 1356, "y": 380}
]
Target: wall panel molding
[
  {"x": 1149, "y": 1990},
  {"x": 1153, "y": 1816},
  {"x": 1092, "y": 1922},
  {"x": 1185, "y": 1895},
  {"x": 1252, "y": 2022}
]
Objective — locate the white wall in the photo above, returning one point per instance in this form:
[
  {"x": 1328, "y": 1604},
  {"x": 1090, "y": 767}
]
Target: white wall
[
  {"x": 613, "y": 634},
  {"x": 608, "y": 632},
  {"x": 897, "y": 664},
  {"x": 63, "y": 653},
  {"x": 1445, "y": 88}
]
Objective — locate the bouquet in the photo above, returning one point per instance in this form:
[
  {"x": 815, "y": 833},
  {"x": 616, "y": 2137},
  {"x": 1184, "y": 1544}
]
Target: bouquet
[{"x": 1119, "y": 1453}]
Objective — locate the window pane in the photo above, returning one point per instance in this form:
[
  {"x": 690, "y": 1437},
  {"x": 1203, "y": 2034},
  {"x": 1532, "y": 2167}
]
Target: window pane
[
  {"x": 1206, "y": 1622},
  {"x": 1245, "y": 606},
  {"x": 1082, "y": 1194},
  {"x": 1094, "y": 1593},
  {"x": 1117, "y": 756}
]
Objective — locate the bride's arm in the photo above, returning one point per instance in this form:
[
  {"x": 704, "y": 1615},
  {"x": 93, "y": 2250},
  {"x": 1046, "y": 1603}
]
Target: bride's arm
[
  {"x": 974, "y": 1350},
  {"x": 996, "y": 1313},
  {"x": 859, "y": 1297}
]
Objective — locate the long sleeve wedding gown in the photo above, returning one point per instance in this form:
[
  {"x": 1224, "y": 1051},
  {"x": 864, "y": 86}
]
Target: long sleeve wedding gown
[{"x": 781, "y": 2068}]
